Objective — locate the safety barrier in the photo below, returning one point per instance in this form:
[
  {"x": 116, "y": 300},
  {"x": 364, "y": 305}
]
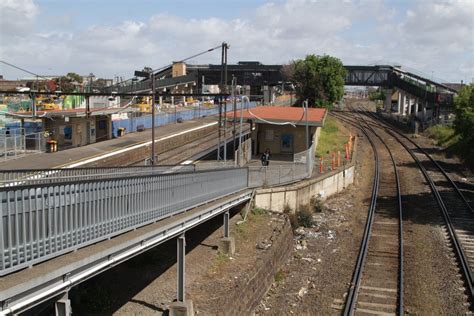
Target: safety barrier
[
  {"x": 45, "y": 220},
  {"x": 38, "y": 176},
  {"x": 300, "y": 168}
]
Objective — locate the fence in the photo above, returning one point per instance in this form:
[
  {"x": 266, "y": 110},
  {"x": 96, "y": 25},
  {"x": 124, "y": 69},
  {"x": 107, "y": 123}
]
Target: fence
[
  {"x": 43, "y": 176},
  {"x": 43, "y": 221},
  {"x": 283, "y": 173},
  {"x": 15, "y": 143},
  {"x": 164, "y": 118}
]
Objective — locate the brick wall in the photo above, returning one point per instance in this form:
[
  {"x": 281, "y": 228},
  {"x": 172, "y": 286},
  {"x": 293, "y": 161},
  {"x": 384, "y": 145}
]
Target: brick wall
[{"x": 247, "y": 293}]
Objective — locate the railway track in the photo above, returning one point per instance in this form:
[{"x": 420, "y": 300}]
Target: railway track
[
  {"x": 377, "y": 283},
  {"x": 455, "y": 209}
]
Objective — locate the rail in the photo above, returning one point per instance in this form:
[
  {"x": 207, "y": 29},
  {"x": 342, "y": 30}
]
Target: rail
[
  {"x": 42, "y": 221},
  {"x": 351, "y": 302},
  {"x": 39, "y": 176}
]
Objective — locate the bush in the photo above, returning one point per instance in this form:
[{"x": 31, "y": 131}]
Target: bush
[
  {"x": 442, "y": 134},
  {"x": 317, "y": 204},
  {"x": 305, "y": 217}
]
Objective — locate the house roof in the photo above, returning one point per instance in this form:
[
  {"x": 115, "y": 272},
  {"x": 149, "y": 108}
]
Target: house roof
[{"x": 282, "y": 114}]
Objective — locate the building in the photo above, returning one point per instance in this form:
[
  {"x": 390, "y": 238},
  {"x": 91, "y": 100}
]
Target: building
[
  {"x": 283, "y": 129},
  {"x": 75, "y": 127}
]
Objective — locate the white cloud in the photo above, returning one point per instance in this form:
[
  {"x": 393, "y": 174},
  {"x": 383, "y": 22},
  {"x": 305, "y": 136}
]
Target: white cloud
[
  {"x": 16, "y": 16},
  {"x": 429, "y": 35}
]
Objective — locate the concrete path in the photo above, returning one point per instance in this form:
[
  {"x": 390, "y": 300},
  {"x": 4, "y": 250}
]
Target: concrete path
[{"x": 76, "y": 157}]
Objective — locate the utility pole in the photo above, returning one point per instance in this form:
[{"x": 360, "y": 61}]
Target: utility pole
[
  {"x": 152, "y": 118},
  {"x": 234, "y": 83},
  {"x": 223, "y": 89}
]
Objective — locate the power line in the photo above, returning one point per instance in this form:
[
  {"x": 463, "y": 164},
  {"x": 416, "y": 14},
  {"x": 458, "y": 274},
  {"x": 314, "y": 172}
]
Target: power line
[
  {"x": 169, "y": 65},
  {"x": 27, "y": 71}
]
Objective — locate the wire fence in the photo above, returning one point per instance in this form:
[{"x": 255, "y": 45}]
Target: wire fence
[
  {"x": 283, "y": 173},
  {"x": 15, "y": 143}
]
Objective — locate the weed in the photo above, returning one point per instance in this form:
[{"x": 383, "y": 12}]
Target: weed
[
  {"x": 279, "y": 276},
  {"x": 259, "y": 211},
  {"x": 287, "y": 209},
  {"x": 317, "y": 204},
  {"x": 305, "y": 217},
  {"x": 221, "y": 258}
]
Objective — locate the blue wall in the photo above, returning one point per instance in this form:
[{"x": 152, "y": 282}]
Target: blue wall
[{"x": 168, "y": 118}]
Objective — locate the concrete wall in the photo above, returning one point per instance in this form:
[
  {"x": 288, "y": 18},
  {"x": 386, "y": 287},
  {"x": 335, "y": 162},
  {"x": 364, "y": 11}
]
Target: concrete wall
[
  {"x": 138, "y": 155},
  {"x": 301, "y": 193}
]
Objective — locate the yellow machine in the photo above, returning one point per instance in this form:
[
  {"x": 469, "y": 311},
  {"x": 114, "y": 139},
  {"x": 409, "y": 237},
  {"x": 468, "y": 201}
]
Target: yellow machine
[
  {"x": 46, "y": 104},
  {"x": 144, "y": 104}
]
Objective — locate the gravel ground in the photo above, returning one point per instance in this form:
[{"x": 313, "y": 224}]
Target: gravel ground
[{"x": 316, "y": 278}]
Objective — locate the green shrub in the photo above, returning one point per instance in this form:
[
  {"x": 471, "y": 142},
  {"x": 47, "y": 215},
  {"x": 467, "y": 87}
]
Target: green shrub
[
  {"x": 443, "y": 135},
  {"x": 317, "y": 204},
  {"x": 305, "y": 217}
]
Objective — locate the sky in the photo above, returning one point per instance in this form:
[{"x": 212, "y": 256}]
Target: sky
[{"x": 115, "y": 37}]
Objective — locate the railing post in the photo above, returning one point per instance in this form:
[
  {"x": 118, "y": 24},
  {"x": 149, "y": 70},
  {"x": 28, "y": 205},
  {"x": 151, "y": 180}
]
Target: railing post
[
  {"x": 181, "y": 307},
  {"x": 62, "y": 307},
  {"x": 181, "y": 243},
  {"x": 226, "y": 224}
]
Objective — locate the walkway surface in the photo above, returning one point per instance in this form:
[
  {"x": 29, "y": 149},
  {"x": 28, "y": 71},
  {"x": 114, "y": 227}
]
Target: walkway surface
[{"x": 75, "y": 157}]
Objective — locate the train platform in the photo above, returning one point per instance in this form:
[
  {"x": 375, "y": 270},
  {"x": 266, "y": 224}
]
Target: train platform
[{"x": 86, "y": 155}]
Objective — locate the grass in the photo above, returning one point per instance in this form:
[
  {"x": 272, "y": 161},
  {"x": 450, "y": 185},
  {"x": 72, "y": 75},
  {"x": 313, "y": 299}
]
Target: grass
[
  {"x": 333, "y": 137},
  {"x": 443, "y": 135}
]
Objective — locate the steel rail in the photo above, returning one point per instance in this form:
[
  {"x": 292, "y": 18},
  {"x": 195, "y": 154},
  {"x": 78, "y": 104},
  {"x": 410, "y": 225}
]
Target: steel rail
[
  {"x": 351, "y": 300},
  {"x": 458, "y": 191},
  {"x": 459, "y": 251},
  {"x": 400, "y": 212}
]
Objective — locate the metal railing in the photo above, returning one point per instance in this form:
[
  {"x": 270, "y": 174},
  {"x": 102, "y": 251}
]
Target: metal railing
[
  {"x": 42, "y": 176},
  {"x": 45, "y": 220}
]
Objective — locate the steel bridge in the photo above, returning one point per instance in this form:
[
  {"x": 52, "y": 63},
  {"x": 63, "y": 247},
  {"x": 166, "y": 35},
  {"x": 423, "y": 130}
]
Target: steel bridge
[{"x": 257, "y": 75}]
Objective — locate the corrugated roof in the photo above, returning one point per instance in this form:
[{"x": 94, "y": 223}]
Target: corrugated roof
[{"x": 280, "y": 114}]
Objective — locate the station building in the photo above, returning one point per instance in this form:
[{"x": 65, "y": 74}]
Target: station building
[{"x": 283, "y": 129}]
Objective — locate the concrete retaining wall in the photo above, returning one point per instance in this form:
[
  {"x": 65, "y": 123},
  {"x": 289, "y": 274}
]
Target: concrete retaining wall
[
  {"x": 299, "y": 194},
  {"x": 135, "y": 156}
]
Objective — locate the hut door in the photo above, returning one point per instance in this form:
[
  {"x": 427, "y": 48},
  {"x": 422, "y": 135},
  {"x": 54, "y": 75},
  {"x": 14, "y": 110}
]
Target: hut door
[{"x": 286, "y": 143}]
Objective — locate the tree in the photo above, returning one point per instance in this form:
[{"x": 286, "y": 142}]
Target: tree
[
  {"x": 319, "y": 79},
  {"x": 464, "y": 121}
]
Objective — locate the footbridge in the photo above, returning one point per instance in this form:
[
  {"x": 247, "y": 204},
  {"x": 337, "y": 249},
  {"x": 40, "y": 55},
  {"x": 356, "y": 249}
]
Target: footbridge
[
  {"x": 60, "y": 227},
  {"x": 410, "y": 88}
]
